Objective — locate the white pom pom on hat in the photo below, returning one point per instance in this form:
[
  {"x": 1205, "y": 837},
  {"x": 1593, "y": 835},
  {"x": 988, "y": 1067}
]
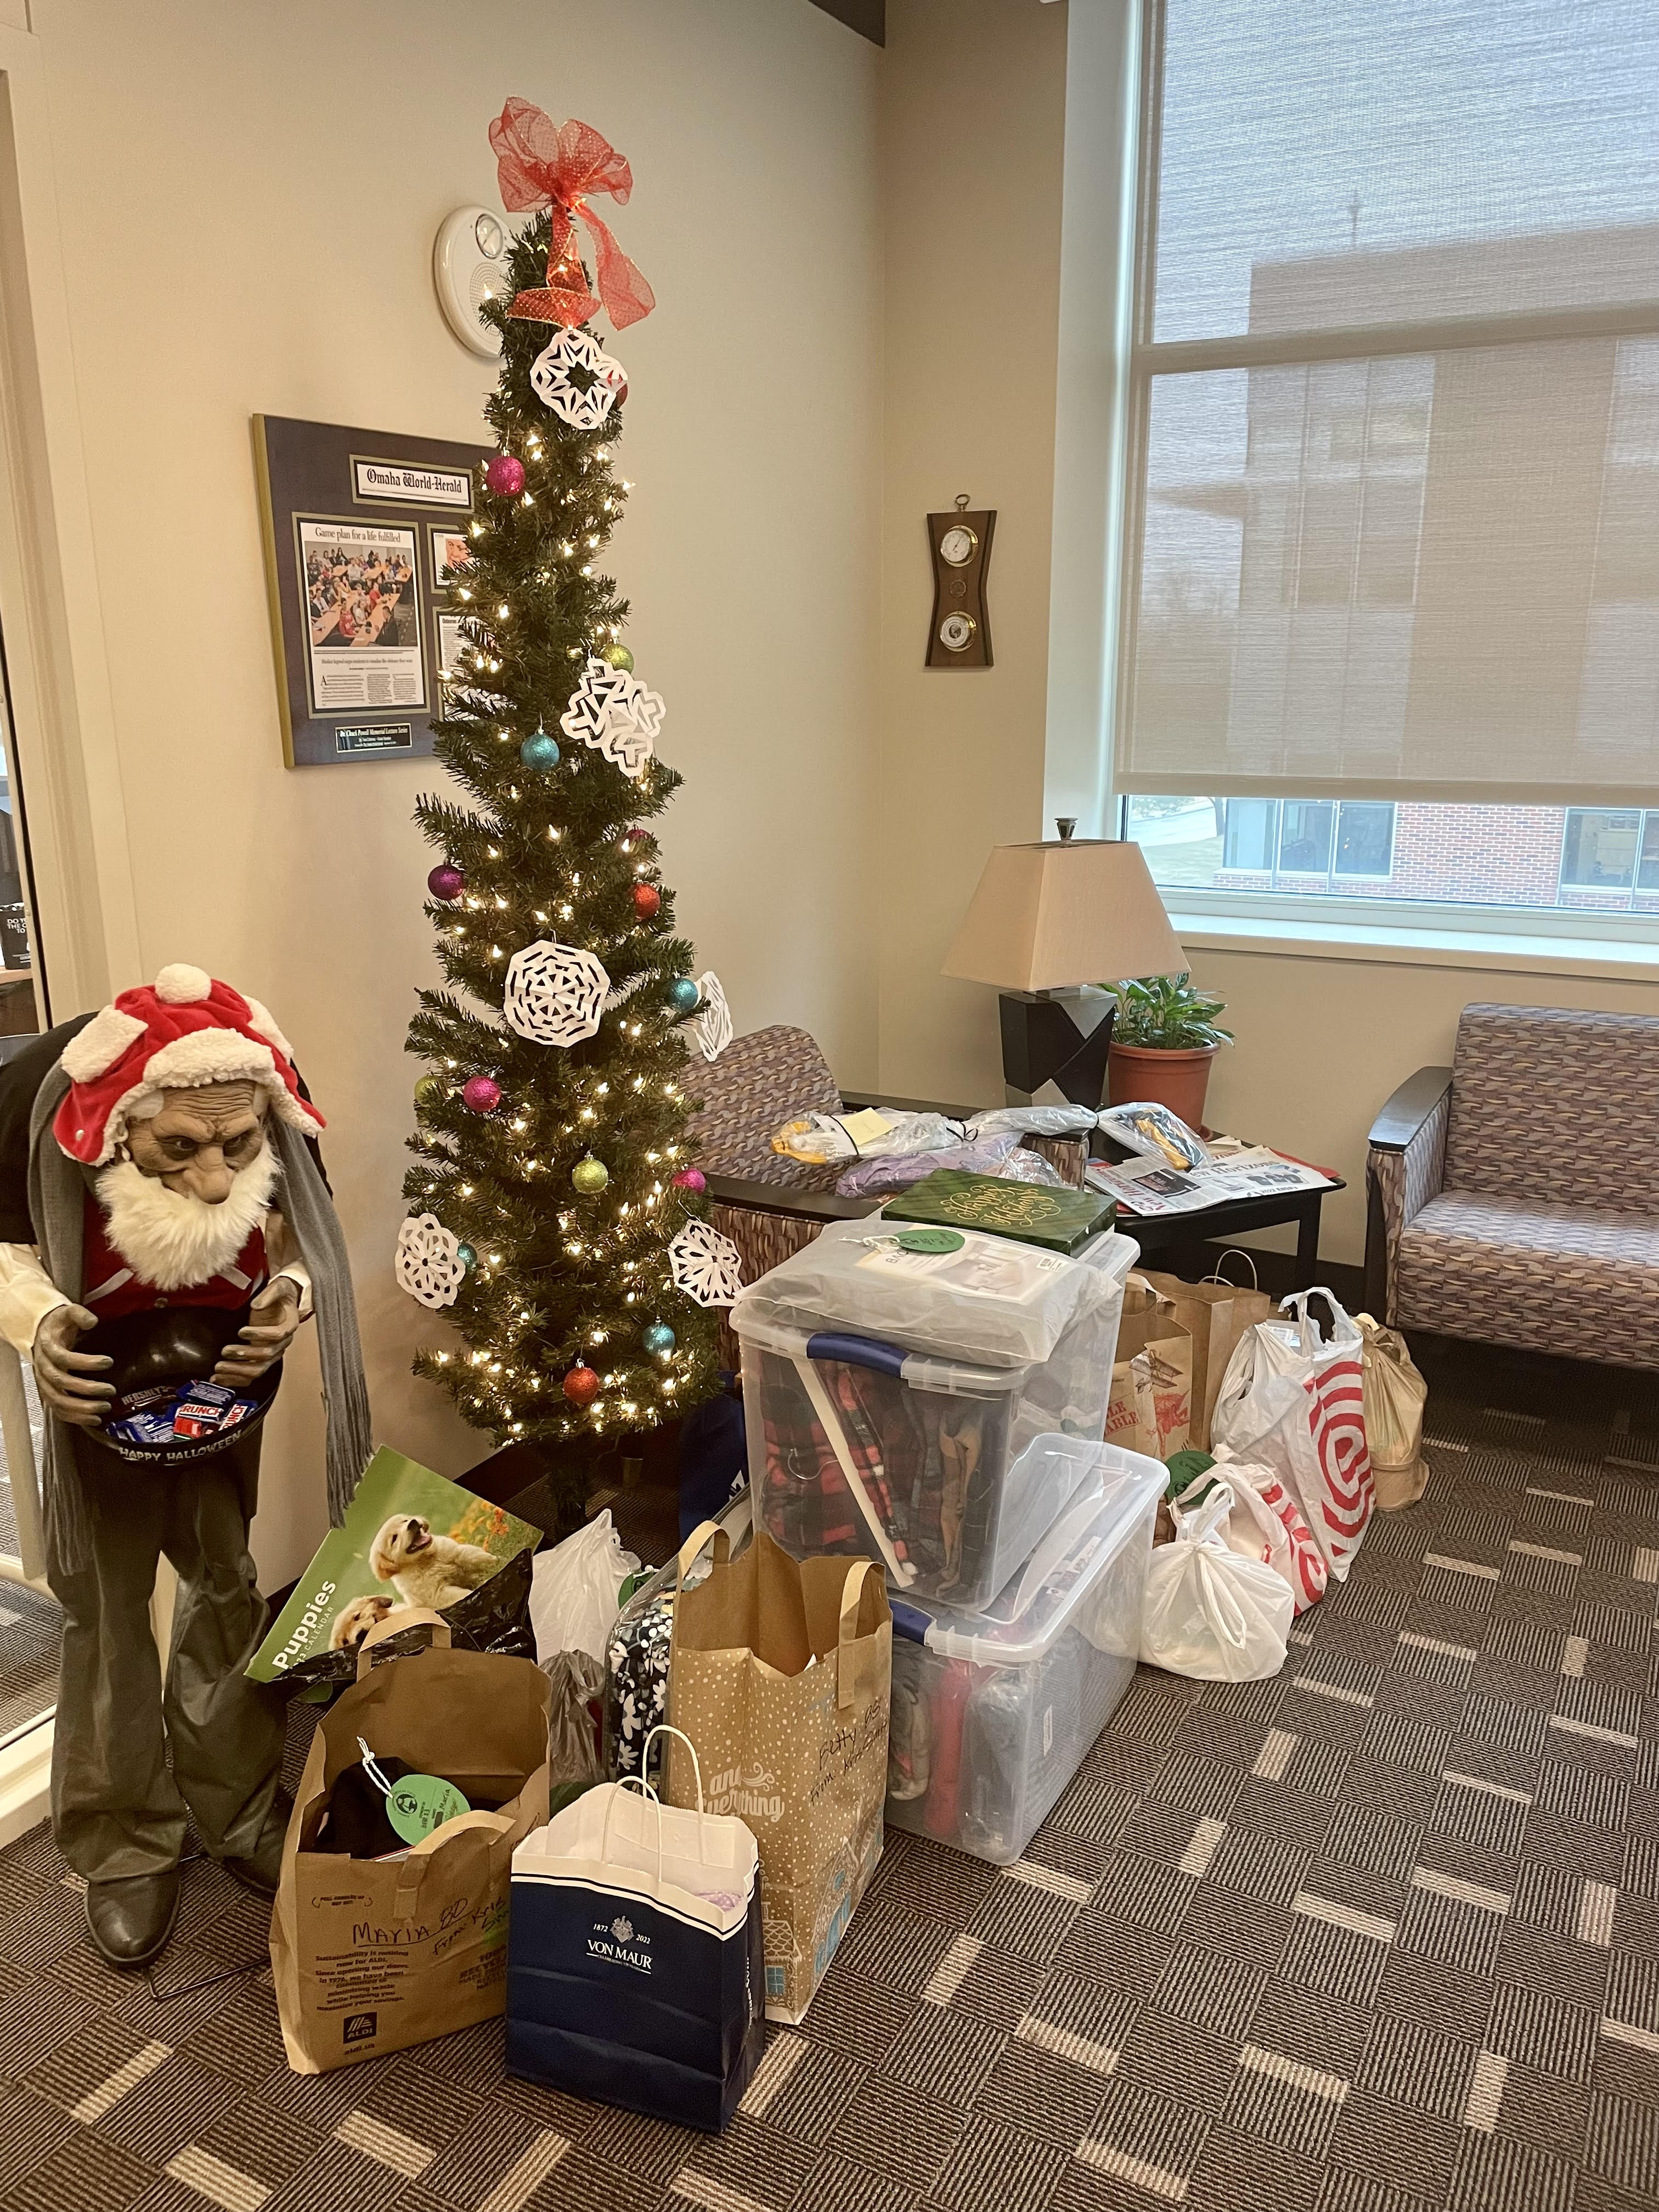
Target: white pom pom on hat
[{"x": 181, "y": 985}]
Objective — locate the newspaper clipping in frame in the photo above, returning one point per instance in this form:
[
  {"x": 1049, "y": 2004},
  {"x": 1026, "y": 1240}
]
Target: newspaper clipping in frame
[{"x": 362, "y": 616}]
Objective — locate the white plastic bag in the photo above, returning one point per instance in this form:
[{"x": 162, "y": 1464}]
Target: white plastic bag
[
  {"x": 1267, "y": 1524},
  {"x": 575, "y": 1590},
  {"x": 1296, "y": 1404},
  {"x": 1209, "y": 1611}
]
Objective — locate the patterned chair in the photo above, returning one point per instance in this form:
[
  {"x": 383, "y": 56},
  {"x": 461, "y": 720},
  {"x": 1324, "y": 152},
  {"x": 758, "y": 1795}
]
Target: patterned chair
[
  {"x": 770, "y": 1206},
  {"x": 1513, "y": 1197}
]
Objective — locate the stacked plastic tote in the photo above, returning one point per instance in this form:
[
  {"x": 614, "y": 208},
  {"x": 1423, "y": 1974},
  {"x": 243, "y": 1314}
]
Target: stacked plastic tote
[{"x": 942, "y": 1410}]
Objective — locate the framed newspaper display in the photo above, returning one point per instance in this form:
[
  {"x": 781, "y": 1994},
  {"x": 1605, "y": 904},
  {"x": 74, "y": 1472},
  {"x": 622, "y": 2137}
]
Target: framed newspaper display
[{"x": 362, "y": 531}]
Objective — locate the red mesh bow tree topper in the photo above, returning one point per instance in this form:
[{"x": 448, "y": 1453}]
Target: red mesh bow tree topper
[{"x": 541, "y": 164}]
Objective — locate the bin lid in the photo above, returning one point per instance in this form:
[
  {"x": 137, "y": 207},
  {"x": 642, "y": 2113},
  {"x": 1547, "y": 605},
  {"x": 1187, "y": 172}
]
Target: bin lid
[
  {"x": 983, "y": 1301},
  {"x": 1112, "y": 1508}
]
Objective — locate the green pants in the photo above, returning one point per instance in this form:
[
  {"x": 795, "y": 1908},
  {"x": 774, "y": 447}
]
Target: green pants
[{"x": 117, "y": 1807}]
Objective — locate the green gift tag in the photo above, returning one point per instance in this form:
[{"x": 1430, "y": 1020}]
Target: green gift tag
[
  {"x": 931, "y": 1240},
  {"x": 421, "y": 1802}
]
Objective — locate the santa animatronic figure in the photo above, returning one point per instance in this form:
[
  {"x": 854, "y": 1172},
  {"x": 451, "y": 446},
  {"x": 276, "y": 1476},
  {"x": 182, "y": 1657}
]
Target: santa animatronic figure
[{"x": 156, "y": 1156}]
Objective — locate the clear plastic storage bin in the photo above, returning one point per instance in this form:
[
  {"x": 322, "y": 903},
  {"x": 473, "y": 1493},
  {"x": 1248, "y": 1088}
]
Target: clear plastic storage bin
[
  {"x": 992, "y": 1712},
  {"x": 890, "y": 1396}
]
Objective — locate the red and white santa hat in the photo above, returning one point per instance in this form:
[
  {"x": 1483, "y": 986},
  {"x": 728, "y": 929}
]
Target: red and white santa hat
[{"x": 184, "y": 1030}]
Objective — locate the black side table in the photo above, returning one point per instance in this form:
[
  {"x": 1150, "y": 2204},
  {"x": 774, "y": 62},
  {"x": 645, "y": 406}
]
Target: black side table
[{"x": 1156, "y": 1232}]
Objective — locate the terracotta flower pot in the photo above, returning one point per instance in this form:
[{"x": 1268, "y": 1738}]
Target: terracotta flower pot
[{"x": 1175, "y": 1079}]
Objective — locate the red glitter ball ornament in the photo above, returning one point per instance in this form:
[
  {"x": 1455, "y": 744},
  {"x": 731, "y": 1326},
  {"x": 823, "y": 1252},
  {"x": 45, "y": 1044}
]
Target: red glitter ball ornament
[
  {"x": 505, "y": 476},
  {"x": 481, "y": 1095},
  {"x": 646, "y": 900},
  {"x": 581, "y": 1386},
  {"x": 692, "y": 1179}
]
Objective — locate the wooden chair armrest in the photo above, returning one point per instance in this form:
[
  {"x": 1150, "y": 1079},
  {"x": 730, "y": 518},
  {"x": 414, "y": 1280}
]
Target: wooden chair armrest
[
  {"x": 853, "y": 1101},
  {"x": 1405, "y": 1114}
]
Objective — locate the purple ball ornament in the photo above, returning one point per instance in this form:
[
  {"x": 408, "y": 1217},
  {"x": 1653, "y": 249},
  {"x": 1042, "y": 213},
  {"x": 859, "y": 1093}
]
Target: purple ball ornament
[
  {"x": 447, "y": 881},
  {"x": 691, "y": 1179},
  {"x": 481, "y": 1095},
  {"x": 505, "y": 476}
]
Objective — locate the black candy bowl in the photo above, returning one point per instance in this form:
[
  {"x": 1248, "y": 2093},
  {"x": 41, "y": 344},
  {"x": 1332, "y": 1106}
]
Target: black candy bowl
[{"x": 177, "y": 1346}]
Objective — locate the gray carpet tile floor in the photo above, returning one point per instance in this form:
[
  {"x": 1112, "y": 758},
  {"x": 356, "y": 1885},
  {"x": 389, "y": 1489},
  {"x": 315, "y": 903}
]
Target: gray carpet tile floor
[{"x": 1379, "y": 1935}]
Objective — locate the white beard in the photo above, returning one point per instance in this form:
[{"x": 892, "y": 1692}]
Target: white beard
[{"x": 170, "y": 1240}]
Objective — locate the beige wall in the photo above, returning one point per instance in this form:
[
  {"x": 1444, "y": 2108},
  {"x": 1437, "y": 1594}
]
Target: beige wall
[
  {"x": 248, "y": 195},
  {"x": 973, "y": 127}
]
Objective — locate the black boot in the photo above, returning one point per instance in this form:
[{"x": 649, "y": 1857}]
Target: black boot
[
  {"x": 262, "y": 1870},
  {"x": 131, "y": 1921}
]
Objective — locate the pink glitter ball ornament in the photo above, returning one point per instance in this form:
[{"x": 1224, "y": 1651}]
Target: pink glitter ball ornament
[
  {"x": 481, "y": 1095},
  {"x": 692, "y": 1179},
  {"x": 505, "y": 476}
]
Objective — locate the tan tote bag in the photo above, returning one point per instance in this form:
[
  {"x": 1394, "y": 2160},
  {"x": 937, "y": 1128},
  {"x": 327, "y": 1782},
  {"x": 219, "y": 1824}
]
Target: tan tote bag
[
  {"x": 371, "y": 1955},
  {"x": 780, "y": 1671},
  {"x": 1396, "y": 1395},
  {"x": 1215, "y": 1313}
]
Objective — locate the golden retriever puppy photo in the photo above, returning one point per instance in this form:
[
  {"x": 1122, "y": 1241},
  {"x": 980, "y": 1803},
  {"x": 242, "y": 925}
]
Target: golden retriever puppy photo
[
  {"x": 353, "y": 1622},
  {"x": 425, "y": 1568}
]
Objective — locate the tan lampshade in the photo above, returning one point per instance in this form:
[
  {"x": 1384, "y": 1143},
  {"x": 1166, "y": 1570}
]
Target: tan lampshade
[{"x": 1047, "y": 917}]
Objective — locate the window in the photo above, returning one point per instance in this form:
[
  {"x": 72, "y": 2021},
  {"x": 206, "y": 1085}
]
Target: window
[
  {"x": 1584, "y": 859},
  {"x": 1393, "y": 492}
]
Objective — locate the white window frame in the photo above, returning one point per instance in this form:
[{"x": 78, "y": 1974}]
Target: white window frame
[{"x": 1105, "y": 376}]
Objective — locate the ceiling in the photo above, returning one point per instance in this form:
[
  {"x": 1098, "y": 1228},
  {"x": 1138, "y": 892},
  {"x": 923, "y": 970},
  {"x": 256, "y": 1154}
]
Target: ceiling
[{"x": 867, "y": 16}]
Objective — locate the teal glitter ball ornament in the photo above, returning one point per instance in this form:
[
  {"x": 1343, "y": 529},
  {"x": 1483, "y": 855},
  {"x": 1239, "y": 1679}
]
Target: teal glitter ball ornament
[
  {"x": 619, "y": 656},
  {"x": 540, "y": 752},
  {"x": 657, "y": 1338},
  {"x": 468, "y": 1256},
  {"x": 685, "y": 994},
  {"x": 590, "y": 1176}
]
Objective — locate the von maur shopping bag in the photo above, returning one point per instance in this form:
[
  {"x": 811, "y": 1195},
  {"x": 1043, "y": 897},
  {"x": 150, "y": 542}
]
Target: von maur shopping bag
[
  {"x": 1150, "y": 1407},
  {"x": 635, "y": 1972},
  {"x": 1295, "y": 1402},
  {"x": 1215, "y": 1313},
  {"x": 371, "y": 1955},
  {"x": 780, "y": 1671}
]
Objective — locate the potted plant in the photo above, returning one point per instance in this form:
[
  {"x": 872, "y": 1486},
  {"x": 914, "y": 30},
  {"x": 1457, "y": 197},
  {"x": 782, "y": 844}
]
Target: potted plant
[{"x": 1164, "y": 1038}]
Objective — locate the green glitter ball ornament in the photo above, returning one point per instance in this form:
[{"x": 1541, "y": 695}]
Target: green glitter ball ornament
[
  {"x": 619, "y": 656},
  {"x": 590, "y": 1176},
  {"x": 427, "y": 1092}
]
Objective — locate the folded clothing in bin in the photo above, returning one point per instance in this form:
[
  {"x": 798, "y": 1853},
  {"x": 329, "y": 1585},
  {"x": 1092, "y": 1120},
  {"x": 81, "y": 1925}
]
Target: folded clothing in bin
[
  {"x": 910, "y": 1445},
  {"x": 993, "y": 1711}
]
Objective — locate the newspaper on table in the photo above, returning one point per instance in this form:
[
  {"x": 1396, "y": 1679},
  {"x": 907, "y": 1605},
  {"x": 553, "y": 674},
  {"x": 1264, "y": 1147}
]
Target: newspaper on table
[{"x": 1149, "y": 1187}]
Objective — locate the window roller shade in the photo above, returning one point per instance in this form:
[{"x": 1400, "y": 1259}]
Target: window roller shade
[{"x": 1394, "y": 515}]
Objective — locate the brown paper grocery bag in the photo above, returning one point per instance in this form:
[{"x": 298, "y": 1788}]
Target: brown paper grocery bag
[
  {"x": 780, "y": 1672},
  {"x": 371, "y": 1955},
  {"x": 1150, "y": 1407},
  {"x": 1215, "y": 1313}
]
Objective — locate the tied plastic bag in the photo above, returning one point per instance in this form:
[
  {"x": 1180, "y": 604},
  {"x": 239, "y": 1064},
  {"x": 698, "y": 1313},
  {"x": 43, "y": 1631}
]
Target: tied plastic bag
[
  {"x": 1395, "y": 1397},
  {"x": 1295, "y": 1402},
  {"x": 1210, "y": 1612},
  {"x": 1267, "y": 1524},
  {"x": 576, "y": 1590}
]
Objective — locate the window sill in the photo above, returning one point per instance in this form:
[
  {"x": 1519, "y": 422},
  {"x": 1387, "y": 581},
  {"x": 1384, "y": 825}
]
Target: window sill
[{"x": 1394, "y": 945}]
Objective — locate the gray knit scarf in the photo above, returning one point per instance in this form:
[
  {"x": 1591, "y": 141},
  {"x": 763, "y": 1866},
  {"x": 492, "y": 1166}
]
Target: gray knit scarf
[{"x": 58, "y": 1192}]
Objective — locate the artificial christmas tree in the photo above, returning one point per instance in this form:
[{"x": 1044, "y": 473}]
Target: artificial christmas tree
[{"x": 555, "y": 1216}]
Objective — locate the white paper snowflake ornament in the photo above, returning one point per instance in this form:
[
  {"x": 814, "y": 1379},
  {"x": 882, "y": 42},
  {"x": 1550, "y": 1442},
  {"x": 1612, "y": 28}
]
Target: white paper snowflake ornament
[
  {"x": 612, "y": 711},
  {"x": 555, "y": 992},
  {"x": 579, "y": 380},
  {"x": 708, "y": 1266},
  {"x": 427, "y": 1264},
  {"x": 711, "y": 1026}
]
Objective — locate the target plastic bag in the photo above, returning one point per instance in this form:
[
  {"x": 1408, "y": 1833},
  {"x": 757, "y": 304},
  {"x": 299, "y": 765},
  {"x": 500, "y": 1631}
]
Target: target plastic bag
[
  {"x": 1295, "y": 1402},
  {"x": 1210, "y": 1612},
  {"x": 1267, "y": 1524}
]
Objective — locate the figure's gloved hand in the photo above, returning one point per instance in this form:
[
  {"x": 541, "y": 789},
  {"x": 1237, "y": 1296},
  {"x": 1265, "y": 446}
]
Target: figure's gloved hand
[
  {"x": 273, "y": 1322},
  {"x": 64, "y": 1376}
]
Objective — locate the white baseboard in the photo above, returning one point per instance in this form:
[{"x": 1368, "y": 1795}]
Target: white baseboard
[{"x": 25, "y": 1780}]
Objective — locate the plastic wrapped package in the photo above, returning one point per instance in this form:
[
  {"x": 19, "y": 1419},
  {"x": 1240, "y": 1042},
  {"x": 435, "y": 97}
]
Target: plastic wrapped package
[
  {"x": 869, "y": 1442},
  {"x": 993, "y": 1711}
]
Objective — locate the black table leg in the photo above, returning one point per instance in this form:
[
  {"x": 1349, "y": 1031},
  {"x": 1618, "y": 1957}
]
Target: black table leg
[{"x": 1307, "y": 1240}]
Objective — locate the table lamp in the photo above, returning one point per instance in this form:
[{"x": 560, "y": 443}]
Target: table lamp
[{"x": 1047, "y": 922}]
